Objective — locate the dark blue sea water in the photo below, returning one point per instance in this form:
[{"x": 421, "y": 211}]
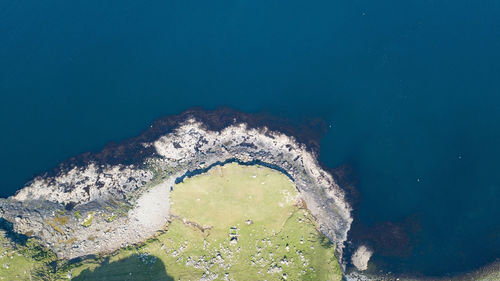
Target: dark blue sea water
[{"x": 410, "y": 88}]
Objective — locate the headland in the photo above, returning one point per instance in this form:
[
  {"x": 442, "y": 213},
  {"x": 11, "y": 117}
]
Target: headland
[{"x": 97, "y": 203}]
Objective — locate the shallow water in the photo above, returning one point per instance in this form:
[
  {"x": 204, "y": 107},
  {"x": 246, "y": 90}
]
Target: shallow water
[{"x": 410, "y": 89}]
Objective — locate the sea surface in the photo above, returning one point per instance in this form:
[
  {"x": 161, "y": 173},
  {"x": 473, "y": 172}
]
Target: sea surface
[{"x": 411, "y": 90}]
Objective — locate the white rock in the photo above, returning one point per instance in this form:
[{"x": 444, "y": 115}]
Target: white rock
[{"x": 361, "y": 257}]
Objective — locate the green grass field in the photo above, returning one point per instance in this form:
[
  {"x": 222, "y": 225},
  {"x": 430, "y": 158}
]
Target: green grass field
[{"x": 232, "y": 223}]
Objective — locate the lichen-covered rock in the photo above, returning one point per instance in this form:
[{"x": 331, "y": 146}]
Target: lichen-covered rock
[{"x": 128, "y": 203}]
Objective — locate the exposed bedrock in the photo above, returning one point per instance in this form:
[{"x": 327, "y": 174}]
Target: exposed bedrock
[
  {"x": 361, "y": 257},
  {"x": 99, "y": 206}
]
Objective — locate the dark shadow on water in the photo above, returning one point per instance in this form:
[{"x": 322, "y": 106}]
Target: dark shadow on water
[{"x": 133, "y": 268}]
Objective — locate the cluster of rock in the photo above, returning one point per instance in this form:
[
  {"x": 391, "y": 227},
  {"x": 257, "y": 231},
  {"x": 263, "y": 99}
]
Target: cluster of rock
[{"x": 96, "y": 208}]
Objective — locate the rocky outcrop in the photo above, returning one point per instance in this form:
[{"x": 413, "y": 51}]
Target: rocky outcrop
[
  {"x": 101, "y": 204},
  {"x": 361, "y": 257}
]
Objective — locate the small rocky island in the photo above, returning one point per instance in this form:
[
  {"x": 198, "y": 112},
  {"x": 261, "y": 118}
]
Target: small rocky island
[{"x": 98, "y": 203}]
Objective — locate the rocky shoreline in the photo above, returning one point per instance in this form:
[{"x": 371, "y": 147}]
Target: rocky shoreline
[{"x": 97, "y": 203}]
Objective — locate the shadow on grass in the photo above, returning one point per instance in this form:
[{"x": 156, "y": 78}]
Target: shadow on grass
[
  {"x": 133, "y": 268},
  {"x": 8, "y": 227}
]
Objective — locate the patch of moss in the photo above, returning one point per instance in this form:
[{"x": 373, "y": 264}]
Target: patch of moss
[
  {"x": 54, "y": 225},
  {"x": 113, "y": 202},
  {"x": 88, "y": 220},
  {"x": 77, "y": 214},
  {"x": 111, "y": 218},
  {"x": 61, "y": 220},
  {"x": 69, "y": 241}
]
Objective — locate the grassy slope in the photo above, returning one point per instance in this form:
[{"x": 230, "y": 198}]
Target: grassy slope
[
  {"x": 267, "y": 198},
  {"x": 26, "y": 261},
  {"x": 281, "y": 238}
]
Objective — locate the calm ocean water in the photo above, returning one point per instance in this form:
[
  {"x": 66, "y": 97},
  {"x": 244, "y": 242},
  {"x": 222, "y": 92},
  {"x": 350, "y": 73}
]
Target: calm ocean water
[{"x": 410, "y": 88}]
